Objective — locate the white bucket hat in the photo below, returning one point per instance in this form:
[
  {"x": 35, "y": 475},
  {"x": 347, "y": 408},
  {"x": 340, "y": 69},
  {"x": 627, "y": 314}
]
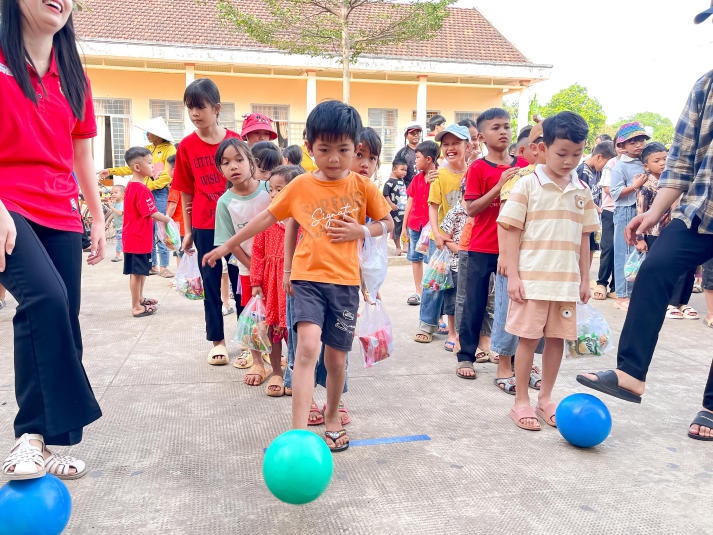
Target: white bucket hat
[{"x": 158, "y": 127}]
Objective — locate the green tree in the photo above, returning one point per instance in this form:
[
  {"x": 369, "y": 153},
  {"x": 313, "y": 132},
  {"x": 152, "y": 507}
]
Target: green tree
[
  {"x": 342, "y": 29},
  {"x": 575, "y": 98},
  {"x": 662, "y": 126}
]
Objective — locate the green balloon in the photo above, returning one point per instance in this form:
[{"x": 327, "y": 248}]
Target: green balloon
[{"x": 297, "y": 467}]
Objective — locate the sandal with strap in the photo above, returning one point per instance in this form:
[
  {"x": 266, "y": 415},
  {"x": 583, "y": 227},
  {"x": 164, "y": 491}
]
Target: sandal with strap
[
  {"x": 506, "y": 384},
  {"x": 25, "y": 459},
  {"x": 334, "y": 436},
  {"x": 482, "y": 356},
  {"x": 466, "y": 364},
  {"x": 688, "y": 312},
  {"x": 535, "y": 378},
  {"x": 314, "y": 410},
  {"x": 61, "y": 466},
  {"x": 673, "y": 313}
]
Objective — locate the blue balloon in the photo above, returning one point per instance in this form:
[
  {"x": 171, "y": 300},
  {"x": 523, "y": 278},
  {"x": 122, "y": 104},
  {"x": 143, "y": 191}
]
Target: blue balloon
[
  {"x": 40, "y": 506},
  {"x": 583, "y": 420},
  {"x": 297, "y": 467}
]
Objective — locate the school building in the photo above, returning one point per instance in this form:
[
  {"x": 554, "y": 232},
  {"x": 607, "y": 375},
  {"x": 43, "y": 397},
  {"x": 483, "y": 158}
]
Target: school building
[{"x": 141, "y": 55}]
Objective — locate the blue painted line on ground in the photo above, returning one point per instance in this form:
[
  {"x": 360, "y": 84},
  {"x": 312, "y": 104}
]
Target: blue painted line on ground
[{"x": 388, "y": 440}]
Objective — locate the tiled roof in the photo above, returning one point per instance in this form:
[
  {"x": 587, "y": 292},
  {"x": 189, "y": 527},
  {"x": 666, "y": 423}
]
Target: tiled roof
[{"x": 466, "y": 36}]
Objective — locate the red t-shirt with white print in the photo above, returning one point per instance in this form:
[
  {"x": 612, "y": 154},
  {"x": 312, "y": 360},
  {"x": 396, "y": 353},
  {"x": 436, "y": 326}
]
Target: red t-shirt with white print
[{"x": 137, "y": 232}]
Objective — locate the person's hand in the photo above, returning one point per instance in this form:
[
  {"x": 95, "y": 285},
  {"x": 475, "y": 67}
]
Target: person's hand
[
  {"x": 516, "y": 291},
  {"x": 584, "y": 291},
  {"x": 345, "y": 229},
  {"x": 638, "y": 180},
  {"x": 8, "y": 234},
  {"x": 215, "y": 255},
  {"x": 287, "y": 284},
  {"x": 641, "y": 246},
  {"x": 639, "y": 225},
  {"x": 438, "y": 239},
  {"x": 187, "y": 244},
  {"x": 257, "y": 291},
  {"x": 507, "y": 175},
  {"x": 97, "y": 243},
  {"x": 431, "y": 176},
  {"x": 404, "y": 235},
  {"x": 501, "y": 267},
  {"x": 103, "y": 174}
]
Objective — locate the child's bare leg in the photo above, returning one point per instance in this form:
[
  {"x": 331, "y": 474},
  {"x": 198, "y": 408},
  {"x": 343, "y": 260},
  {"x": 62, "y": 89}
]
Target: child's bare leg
[
  {"x": 452, "y": 334},
  {"x": 136, "y": 286},
  {"x": 417, "y": 268},
  {"x": 551, "y": 360},
  {"x": 306, "y": 355},
  {"x": 505, "y": 368},
  {"x": 524, "y": 356},
  {"x": 336, "y": 363},
  {"x": 224, "y": 290}
]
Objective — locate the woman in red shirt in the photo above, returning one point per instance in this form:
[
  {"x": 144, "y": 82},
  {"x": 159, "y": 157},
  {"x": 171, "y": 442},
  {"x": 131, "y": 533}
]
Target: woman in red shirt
[{"x": 45, "y": 156}]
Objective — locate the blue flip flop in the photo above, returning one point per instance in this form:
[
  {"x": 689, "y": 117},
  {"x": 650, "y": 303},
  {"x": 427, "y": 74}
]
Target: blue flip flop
[{"x": 608, "y": 383}]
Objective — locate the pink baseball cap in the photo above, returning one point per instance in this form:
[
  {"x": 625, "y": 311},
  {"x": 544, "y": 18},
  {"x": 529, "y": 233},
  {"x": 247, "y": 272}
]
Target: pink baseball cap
[{"x": 257, "y": 121}]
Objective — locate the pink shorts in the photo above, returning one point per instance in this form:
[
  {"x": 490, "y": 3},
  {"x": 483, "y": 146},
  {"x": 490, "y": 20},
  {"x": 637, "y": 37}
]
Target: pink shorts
[{"x": 534, "y": 319}]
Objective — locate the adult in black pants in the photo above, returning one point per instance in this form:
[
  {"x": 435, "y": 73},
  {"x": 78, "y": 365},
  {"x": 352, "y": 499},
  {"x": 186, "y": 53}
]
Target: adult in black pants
[
  {"x": 45, "y": 134},
  {"x": 684, "y": 244},
  {"x": 605, "y": 277}
]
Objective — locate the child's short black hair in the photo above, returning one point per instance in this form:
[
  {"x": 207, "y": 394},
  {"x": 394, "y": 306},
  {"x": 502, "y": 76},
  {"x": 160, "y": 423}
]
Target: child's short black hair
[
  {"x": 267, "y": 155},
  {"x": 428, "y": 149},
  {"x": 468, "y": 123},
  {"x": 134, "y": 153},
  {"x": 434, "y": 121},
  {"x": 201, "y": 92},
  {"x": 524, "y": 133},
  {"x": 605, "y": 148},
  {"x": 565, "y": 125},
  {"x": 489, "y": 115},
  {"x": 604, "y": 137},
  {"x": 398, "y": 161},
  {"x": 171, "y": 160},
  {"x": 652, "y": 148},
  {"x": 332, "y": 120},
  {"x": 293, "y": 153},
  {"x": 368, "y": 136},
  {"x": 288, "y": 172}
]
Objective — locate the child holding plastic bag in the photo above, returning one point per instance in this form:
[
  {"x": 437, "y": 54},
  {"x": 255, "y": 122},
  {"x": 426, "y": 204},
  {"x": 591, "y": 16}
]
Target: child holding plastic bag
[
  {"x": 267, "y": 268},
  {"x": 376, "y": 340},
  {"x": 189, "y": 283}
]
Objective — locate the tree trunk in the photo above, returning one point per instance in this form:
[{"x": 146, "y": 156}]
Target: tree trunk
[{"x": 346, "y": 53}]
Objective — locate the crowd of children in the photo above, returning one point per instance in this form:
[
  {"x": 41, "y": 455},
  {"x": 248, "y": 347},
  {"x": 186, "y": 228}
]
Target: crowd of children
[{"x": 470, "y": 199}]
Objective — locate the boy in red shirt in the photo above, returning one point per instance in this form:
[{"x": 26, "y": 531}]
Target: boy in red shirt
[
  {"x": 137, "y": 232},
  {"x": 416, "y": 211},
  {"x": 483, "y": 181}
]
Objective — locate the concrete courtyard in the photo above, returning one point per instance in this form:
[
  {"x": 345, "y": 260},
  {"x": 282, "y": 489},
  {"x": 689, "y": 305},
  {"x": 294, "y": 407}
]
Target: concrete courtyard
[{"x": 180, "y": 447}]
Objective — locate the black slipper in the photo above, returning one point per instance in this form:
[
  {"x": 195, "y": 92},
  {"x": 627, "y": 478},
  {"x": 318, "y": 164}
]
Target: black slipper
[
  {"x": 608, "y": 383},
  {"x": 334, "y": 436},
  {"x": 704, "y": 418},
  {"x": 148, "y": 311}
]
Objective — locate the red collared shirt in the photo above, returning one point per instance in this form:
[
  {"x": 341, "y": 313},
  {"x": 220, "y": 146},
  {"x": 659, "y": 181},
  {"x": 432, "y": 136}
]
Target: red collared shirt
[{"x": 36, "y": 150}]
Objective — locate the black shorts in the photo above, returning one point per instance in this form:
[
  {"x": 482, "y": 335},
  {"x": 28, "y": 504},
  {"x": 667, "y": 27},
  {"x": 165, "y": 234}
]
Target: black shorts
[
  {"x": 593, "y": 245},
  {"x": 137, "y": 263},
  {"x": 333, "y": 307},
  {"x": 398, "y": 218}
]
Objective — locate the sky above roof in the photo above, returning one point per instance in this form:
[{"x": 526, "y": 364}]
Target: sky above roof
[{"x": 632, "y": 55}]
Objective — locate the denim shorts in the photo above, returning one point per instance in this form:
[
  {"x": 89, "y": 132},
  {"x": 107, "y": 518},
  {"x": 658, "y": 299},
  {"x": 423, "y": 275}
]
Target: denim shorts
[
  {"x": 333, "y": 307},
  {"x": 707, "y": 281},
  {"x": 412, "y": 255},
  {"x": 449, "y": 297}
]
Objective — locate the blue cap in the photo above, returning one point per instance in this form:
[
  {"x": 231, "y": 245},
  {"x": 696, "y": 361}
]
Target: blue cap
[
  {"x": 703, "y": 15},
  {"x": 461, "y": 132}
]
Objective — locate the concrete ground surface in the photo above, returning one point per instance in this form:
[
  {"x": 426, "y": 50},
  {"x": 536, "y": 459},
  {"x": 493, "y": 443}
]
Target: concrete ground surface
[{"x": 179, "y": 449}]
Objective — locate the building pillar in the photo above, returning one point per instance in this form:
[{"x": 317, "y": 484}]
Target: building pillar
[
  {"x": 311, "y": 90},
  {"x": 421, "y": 99},
  {"x": 190, "y": 77},
  {"x": 523, "y": 108}
]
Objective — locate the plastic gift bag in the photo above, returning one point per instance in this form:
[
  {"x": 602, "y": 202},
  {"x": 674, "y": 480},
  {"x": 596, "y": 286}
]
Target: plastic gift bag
[
  {"x": 375, "y": 336},
  {"x": 188, "y": 277},
  {"x": 437, "y": 275},
  {"x": 633, "y": 263},
  {"x": 169, "y": 234},
  {"x": 424, "y": 239},
  {"x": 594, "y": 337},
  {"x": 252, "y": 329},
  {"x": 373, "y": 260}
]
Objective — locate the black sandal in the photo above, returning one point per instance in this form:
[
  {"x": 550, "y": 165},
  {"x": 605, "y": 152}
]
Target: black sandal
[
  {"x": 334, "y": 436},
  {"x": 705, "y": 419}
]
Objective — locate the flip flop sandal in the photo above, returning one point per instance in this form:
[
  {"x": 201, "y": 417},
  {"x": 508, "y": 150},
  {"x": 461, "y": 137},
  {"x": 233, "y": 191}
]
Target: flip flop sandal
[
  {"x": 334, "y": 436},
  {"x": 149, "y": 301},
  {"x": 442, "y": 328},
  {"x": 260, "y": 371},
  {"x": 61, "y": 465},
  {"x": 689, "y": 312},
  {"x": 275, "y": 381},
  {"x": 600, "y": 292},
  {"x": 673, "y": 313},
  {"x": 149, "y": 310},
  {"x": 608, "y": 383},
  {"x": 218, "y": 356},
  {"x": 705, "y": 419},
  {"x": 506, "y": 384},
  {"x": 524, "y": 413},
  {"x": 547, "y": 413},
  {"x": 414, "y": 300},
  {"x": 26, "y": 459},
  {"x": 422, "y": 337},
  {"x": 481, "y": 356},
  {"x": 449, "y": 346},
  {"x": 466, "y": 364},
  {"x": 535, "y": 377},
  {"x": 247, "y": 357},
  {"x": 314, "y": 409}
]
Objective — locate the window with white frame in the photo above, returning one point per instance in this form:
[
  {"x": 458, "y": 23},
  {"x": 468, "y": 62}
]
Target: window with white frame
[
  {"x": 460, "y": 115},
  {"x": 227, "y": 116},
  {"x": 429, "y": 114},
  {"x": 172, "y": 112},
  {"x": 113, "y": 116},
  {"x": 384, "y": 121},
  {"x": 280, "y": 115}
]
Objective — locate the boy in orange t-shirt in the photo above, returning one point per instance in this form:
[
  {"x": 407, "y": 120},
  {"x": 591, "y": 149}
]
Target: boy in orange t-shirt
[{"x": 331, "y": 205}]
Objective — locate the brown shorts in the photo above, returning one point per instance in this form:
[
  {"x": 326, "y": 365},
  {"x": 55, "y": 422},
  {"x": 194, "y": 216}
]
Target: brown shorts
[{"x": 534, "y": 319}]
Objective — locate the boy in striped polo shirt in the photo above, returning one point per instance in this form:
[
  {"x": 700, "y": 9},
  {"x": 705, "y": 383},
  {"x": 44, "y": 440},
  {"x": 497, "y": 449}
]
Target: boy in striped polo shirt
[{"x": 547, "y": 220}]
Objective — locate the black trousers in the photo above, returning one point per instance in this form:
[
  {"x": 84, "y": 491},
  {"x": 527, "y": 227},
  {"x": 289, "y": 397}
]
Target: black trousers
[
  {"x": 677, "y": 251},
  {"x": 606, "y": 257},
  {"x": 212, "y": 304},
  {"x": 683, "y": 289},
  {"x": 52, "y": 390},
  {"x": 480, "y": 267}
]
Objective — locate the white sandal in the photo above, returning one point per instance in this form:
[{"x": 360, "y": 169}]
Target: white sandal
[
  {"x": 26, "y": 459},
  {"x": 60, "y": 466}
]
